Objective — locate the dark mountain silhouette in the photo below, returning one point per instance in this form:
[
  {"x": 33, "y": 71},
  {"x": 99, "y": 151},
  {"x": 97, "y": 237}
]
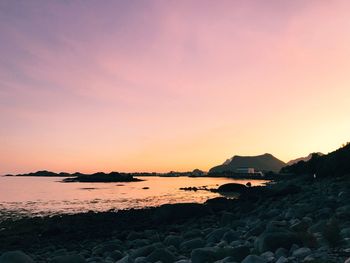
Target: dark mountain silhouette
[
  {"x": 336, "y": 163},
  {"x": 305, "y": 159},
  {"x": 265, "y": 162}
]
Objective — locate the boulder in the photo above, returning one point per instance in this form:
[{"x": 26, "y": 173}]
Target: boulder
[
  {"x": 204, "y": 255},
  {"x": 162, "y": 254},
  {"x": 301, "y": 252},
  {"x": 15, "y": 257},
  {"x": 270, "y": 241},
  {"x": 173, "y": 240},
  {"x": 192, "y": 244},
  {"x": 69, "y": 259},
  {"x": 232, "y": 188},
  {"x": 216, "y": 235},
  {"x": 254, "y": 259}
]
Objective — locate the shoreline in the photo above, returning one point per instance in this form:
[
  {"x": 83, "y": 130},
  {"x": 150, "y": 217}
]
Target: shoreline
[{"x": 302, "y": 215}]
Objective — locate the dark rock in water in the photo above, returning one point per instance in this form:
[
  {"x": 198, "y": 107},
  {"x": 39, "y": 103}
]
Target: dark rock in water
[
  {"x": 69, "y": 259},
  {"x": 163, "y": 255},
  {"x": 172, "y": 212},
  {"x": 232, "y": 188},
  {"x": 15, "y": 257},
  {"x": 103, "y": 178},
  {"x": 270, "y": 241}
]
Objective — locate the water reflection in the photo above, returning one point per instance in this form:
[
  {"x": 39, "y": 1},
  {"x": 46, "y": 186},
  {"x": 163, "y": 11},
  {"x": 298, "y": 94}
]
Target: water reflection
[{"x": 45, "y": 195}]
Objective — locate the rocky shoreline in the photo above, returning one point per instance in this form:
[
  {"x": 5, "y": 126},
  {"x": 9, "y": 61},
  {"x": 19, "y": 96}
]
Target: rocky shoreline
[{"x": 299, "y": 220}]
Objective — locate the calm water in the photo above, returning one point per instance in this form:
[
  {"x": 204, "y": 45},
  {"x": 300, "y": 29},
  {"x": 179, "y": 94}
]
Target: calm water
[{"x": 47, "y": 195}]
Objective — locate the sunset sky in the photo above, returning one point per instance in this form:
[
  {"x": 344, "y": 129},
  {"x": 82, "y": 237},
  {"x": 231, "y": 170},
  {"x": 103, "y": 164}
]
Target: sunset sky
[{"x": 170, "y": 85}]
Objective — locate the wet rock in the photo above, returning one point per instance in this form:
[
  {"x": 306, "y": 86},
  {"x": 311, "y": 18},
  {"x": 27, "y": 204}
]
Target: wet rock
[{"x": 15, "y": 257}]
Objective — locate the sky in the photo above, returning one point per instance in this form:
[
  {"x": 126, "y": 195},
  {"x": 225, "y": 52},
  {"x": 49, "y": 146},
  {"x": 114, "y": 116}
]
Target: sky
[{"x": 170, "y": 85}]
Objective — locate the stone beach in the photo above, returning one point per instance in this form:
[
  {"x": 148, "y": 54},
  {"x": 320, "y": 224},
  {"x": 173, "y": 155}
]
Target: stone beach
[{"x": 298, "y": 220}]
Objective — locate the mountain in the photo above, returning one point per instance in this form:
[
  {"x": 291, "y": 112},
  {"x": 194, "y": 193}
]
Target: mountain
[
  {"x": 265, "y": 162},
  {"x": 336, "y": 163},
  {"x": 305, "y": 159}
]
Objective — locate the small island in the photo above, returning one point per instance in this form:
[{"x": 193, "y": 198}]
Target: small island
[{"x": 102, "y": 178}]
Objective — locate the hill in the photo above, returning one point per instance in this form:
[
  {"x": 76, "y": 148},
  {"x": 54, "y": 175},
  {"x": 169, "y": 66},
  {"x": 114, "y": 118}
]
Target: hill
[
  {"x": 336, "y": 163},
  {"x": 266, "y": 162},
  {"x": 305, "y": 159}
]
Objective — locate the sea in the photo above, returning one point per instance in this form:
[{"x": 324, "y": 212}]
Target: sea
[{"x": 45, "y": 196}]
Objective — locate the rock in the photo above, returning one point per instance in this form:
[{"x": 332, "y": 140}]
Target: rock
[
  {"x": 268, "y": 255},
  {"x": 192, "y": 244},
  {"x": 173, "y": 240},
  {"x": 301, "y": 252},
  {"x": 254, "y": 259},
  {"x": 347, "y": 261},
  {"x": 301, "y": 226},
  {"x": 204, "y": 255},
  {"x": 172, "y": 212},
  {"x": 282, "y": 259},
  {"x": 230, "y": 236},
  {"x": 345, "y": 232},
  {"x": 238, "y": 252},
  {"x": 281, "y": 252},
  {"x": 126, "y": 259},
  {"x": 163, "y": 255},
  {"x": 142, "y": 251},
  {"x": 15, "y": 257},
  {"x": 255, "y": 231},
  {"x": 116, "y": 255},
  {"x": 232, "y": 187},
  {"x": 272, "y": 241},
  {"x": 227, "y": 218},
  {"x": 193, "y": 233},
  {"x": 69, "y": 259},
  {"x": 216, "y": 235}
]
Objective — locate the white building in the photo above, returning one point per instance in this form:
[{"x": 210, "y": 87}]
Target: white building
[{"x": 245, "y": 170}]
